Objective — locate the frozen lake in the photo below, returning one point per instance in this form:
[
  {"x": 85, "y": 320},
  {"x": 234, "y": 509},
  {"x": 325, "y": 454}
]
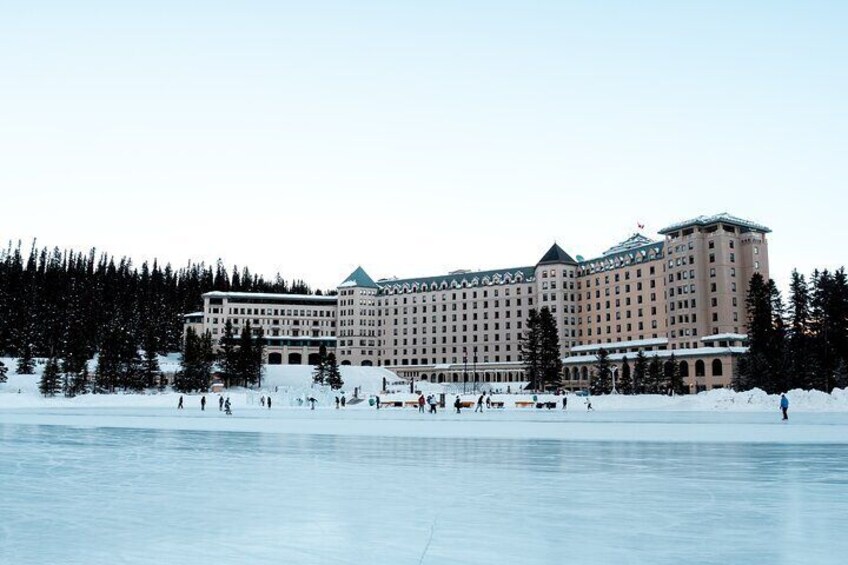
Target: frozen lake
[{"x": 289, "y": 489}]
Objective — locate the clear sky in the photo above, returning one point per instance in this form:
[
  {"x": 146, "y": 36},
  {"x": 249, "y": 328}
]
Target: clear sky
[{"x": 415, "y": 138}]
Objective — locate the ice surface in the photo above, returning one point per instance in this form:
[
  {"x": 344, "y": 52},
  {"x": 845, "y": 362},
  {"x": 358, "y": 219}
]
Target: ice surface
[
  {"x": 708, "y": 478},
  {"x": 95, "y": 485}
]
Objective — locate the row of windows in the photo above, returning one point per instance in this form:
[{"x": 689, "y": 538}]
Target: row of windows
[{"x": 616, "y": 277}]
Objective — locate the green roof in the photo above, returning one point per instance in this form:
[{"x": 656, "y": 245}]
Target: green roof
[
  {"x": 359, "y": 278},
  {"x": 556, "y": 255}
]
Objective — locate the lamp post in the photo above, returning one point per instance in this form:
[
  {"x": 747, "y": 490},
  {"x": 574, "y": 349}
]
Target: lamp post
[
  {"x": 475, "y": 368},
  {"x": 464, "y": 368}
]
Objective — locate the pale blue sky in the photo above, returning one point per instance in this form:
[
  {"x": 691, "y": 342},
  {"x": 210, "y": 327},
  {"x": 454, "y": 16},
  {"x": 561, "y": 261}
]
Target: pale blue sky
[{"x": 417, "y": 138}]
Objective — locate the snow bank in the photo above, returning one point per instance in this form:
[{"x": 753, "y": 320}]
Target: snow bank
[{"x": 291, "y": 385}]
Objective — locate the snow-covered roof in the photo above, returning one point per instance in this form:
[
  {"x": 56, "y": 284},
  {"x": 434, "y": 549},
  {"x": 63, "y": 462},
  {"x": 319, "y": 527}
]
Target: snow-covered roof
[
  {"x": 725, "y": 337},
  {"x": 193, "y": 314},
  {"x": 635, "y": 241},
  {"x": 271, "y": 296},
  {"x": 459, "y": 366},
  {"x": 662, "y": 354},
  {"x": 724, "y": 218},
  {"x": 650, "y": 342}
]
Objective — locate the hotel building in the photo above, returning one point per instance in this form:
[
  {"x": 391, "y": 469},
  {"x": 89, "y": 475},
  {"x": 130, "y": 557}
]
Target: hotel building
[{"x": 682, "y": 294}]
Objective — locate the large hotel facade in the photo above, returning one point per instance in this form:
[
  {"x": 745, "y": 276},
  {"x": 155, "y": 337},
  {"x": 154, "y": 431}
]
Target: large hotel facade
[{"x": 683, "y": 294}]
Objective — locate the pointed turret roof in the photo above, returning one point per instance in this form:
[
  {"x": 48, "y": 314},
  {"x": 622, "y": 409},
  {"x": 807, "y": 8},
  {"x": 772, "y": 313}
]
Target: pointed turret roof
[
  {"x": 556, "y": 255},
  {"x": 359, "y": 278}
]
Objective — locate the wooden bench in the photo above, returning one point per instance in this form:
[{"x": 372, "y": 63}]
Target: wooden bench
[
  {"x": 412, "y": 403},
  {"x": 497, "y": 404},
  {"x": 524, "y": 404},
  {"x": 391, "y": 404}
]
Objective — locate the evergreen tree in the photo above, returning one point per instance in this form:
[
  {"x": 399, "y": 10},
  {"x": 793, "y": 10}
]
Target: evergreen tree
[
  {"x": 674, "y": 378},
  {"x": 334, "y": 376},
  {"x": 640, "y": 373},
  {"x": 799, "y": 344},
  {"x": 530, "y": 347},
  {"x": 186, "y": 377},
  {"x": 228, "y": 354},
  {"x": 3, "y": 371},
  {"x": 625, "y": 380},
  {"x": 26, "y": 362},
  {"x": 321, "y": 371},
  {"x": 49, "y": 384},
  {"x": 550, "y": 360},
  {"x": 656, "y": 382},
  {"x": 249, "y": 357},
  {"x": 602, "y": 375},
  {"x": 765, "y": 361},
  {"x": 829, "y": 325},
  {"x": 76, "y": 383},
  {"x": 195, "y": 364},
  {"x": 108, "y": 362},
  {"x": 52, "y": 296},
  {"x": 258, "y": 358},
  {"x": 151, "y": 371}
]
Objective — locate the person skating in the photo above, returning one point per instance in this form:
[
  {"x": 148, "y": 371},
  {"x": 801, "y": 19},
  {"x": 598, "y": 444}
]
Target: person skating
[
  {"x": 489, "y": 402},
  {"x": 457, "y": 404},
  {"x": 227, "y": 410},
  {"x": 338, "y": 402},
  {"x": 220, "y": 403},
  {"x": 421, "y": 403},
  {"x": 377, "y": 402},
  {"x": 262, "y": 401},
  {"x": 432, "y": 401},
  {"x": 564, "y": 402},
  {"x": 312, "y": 402},
  {"x": 269, "y": 403},
  {"x": 344, "y": 401},
  {"x": 202, "y": 403},
  {"x": 479, "y": 404},
  {"x": 589, "y": 406},
  {"x": 784, "y": 406},
  {"x": 180, "y": 403}
]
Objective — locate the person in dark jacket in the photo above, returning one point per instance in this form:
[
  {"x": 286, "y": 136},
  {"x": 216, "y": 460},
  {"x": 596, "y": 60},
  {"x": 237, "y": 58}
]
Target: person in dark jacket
[
  {"x": 227, "y": 409},
  {"x": 269, "y": 402},
  {"x": 220, "y": 403},
  {"x": 180, "y": 403},
  {"x": 784, "y": 406},
  {"x": 457, "y": 404},
  {"x": 202, "y": 403},
  {"x": 479, "y": 404}
]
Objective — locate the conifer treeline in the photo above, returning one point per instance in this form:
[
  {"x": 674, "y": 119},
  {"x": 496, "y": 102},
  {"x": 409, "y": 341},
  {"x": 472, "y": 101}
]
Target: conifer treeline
[
  {"x": 64, "y": 303},
  {"x": 802, "y": 346}
]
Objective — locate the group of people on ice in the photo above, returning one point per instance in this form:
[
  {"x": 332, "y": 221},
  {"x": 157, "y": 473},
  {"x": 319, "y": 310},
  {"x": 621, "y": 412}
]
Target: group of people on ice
[
  {"x": 430, "y": 401},
  {"x": 223, "y": 405}
]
